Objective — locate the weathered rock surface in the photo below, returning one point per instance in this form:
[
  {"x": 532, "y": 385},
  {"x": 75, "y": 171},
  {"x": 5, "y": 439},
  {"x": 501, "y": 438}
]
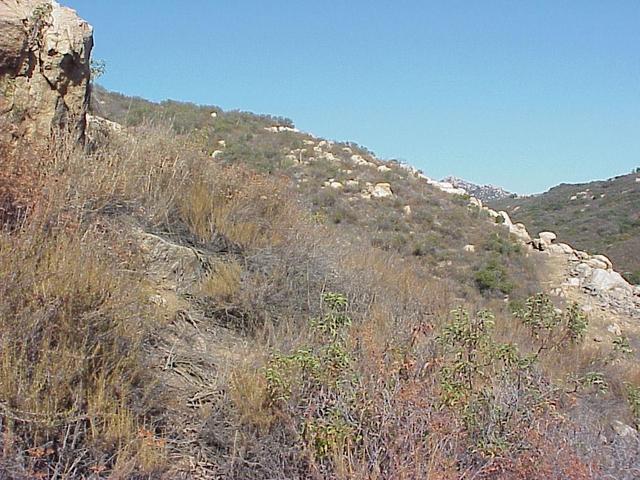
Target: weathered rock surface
[
  {"x": 382, "y": 190},
  {"x": 45, "y": 69},
  {"x": 173, "y": 265},
  {"x": 547, "y": 238}
]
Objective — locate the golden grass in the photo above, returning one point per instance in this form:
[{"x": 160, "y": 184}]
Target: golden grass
[
  {"x": 222, "y": 282},
  {"x": 248, "y": 393}
]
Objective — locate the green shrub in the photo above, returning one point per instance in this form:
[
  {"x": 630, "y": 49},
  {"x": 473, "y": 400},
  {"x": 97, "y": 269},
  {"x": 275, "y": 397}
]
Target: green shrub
[
  {"x": 476, "y": 373},
  {"x": 493, "y": 277},
  {"x": 552, "y": 328}
]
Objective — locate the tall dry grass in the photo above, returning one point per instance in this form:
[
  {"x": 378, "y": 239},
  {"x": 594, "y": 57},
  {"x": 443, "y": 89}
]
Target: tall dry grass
[{"x": 78, "y": 334}]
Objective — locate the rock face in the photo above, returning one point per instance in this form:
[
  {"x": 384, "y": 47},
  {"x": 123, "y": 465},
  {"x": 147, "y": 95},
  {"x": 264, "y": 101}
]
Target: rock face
[
  {"x": 45, "y": 69},
  {"x": 482, "y": 192},
  {"x": 382, "y": 190}
]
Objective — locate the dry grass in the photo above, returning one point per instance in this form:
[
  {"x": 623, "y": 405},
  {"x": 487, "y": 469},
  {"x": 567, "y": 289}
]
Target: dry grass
[
  {"x": 79, "y": 335},
  {"x": 222, "y": 282}
]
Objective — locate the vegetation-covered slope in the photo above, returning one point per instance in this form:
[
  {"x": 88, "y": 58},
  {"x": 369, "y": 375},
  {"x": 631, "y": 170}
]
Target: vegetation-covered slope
[
  {"x": 600, "y": 217},
  {"x": 167, "y": 311}
]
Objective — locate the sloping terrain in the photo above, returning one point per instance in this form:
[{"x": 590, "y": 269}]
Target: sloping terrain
[
  {"x": 200, "y": 294},
  {"x": 600, "y": 217}
]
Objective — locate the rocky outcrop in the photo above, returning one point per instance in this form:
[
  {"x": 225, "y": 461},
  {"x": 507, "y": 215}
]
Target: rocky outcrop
[
  {"x": 447, "y": 187},
  {"x": 45, "y": 69},
  {"x": 592, "y": 275},
  {"x": 484, "y": 193}
]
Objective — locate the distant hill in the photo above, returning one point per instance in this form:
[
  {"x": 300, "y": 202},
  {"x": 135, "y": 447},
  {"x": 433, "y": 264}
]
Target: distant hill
[
  {"x": 486, "y": 193},
  {"x": 600, "y": 217}
]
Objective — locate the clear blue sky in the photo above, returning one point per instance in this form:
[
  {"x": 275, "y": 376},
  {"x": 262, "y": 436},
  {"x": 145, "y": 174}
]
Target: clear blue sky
[{"x": 520, "y": 94}]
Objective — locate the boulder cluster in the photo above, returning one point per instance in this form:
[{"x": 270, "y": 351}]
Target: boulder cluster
[{"x": 593, "y": 274}]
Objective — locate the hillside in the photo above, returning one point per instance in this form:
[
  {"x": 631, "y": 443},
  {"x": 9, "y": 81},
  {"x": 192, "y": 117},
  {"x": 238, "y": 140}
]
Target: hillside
[
  {"x": 193, "y": 293},
  {"x": 600, "y": 217}
]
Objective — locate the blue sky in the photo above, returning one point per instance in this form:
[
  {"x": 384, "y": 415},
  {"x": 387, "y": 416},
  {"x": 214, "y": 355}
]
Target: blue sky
[{"x": 520, "y": 94}]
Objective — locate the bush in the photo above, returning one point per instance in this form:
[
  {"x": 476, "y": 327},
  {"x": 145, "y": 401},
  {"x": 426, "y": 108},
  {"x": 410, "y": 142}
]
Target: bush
[{"x": 493, "y": 277}]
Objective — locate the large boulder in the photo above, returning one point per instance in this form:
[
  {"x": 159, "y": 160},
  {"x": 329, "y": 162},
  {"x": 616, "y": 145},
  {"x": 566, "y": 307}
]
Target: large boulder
[
  {"x": 382, "y": 190},
  {"x": 547, "y": 238},
  {"x": 604, "y": 280},
  {"x": 45, "y": 67}
]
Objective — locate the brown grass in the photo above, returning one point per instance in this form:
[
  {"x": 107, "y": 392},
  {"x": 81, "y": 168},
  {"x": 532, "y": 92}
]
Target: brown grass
[{"x": 79, "y": 337}]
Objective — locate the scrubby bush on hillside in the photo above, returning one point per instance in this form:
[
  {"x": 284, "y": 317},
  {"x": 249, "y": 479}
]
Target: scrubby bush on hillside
[{"x": 493, "y": 277}]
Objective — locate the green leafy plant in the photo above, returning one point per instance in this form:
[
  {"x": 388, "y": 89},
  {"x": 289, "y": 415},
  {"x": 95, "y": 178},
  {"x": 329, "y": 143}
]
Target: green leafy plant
[
  {"x": 621, "y": 345},
  {"x": 593, "y": 380},
  {"x": 474, "y": 372},
  {"x": 98, "y": 69},
  {"x": 322, "y": 371},
  {"x": 633, "y": 398},
  {"x": 551, "y": 327}
]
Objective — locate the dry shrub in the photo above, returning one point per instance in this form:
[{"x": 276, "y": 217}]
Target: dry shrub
[
  {"x": 246, "y": 209},
  {"x": 222, "y": 282},
  {"x": 72, "y": 326},
  {"x": 74, "y": 388},
  {"x": 20, "y": 180},
  {"x": 248, "y": 392}
]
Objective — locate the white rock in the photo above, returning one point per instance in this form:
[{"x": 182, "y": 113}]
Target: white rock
[
  {"x": 582, "y": 255},
  {"x": 582, "y": 270},
  {"x": 607, "y": 280},
  {"x": 491, "y": 213},
  {"x": 352, "y": 183},
  {"x": 382, "y": 190},
  {"x": 469, "y": 248},
  {"x": 520, "y": 231},
  {"x": 216, "y": 154},
  {"x": 561, "y": 249},
  {"x": 447, "y": 187},
  {"x": 603, "y": 259},
  {"x": 572, "y": 282},
  {"x": 329, "y": 156},
  {"x": 506, "y": 220},
  {"x": 281, "y": 128},
  {"x": 406, "y": 210},
  {"x": 358, "y": 160},
  {"x": 547, "y": 238},
  {"x": 383, "y": 168},
  {"x": 595, "y": 263},
  {"x": 474, "y": 202},
  {"x": 336, "y": 185}
]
